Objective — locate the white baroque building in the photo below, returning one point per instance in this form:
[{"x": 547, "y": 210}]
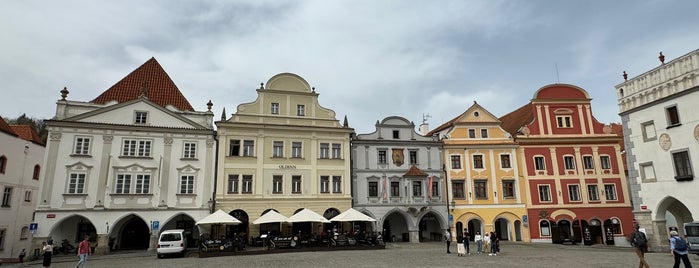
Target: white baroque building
[
  {"x": 661, "y": 134},
  {"x": 21, "y": 156},
  {"x": 136, "y": 160},
  {"x": 397, "y": 179}
]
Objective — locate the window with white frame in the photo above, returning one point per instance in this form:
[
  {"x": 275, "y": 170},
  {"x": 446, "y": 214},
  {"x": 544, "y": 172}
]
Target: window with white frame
[
  {"x": 588, "y": 162},
  {"x": 301, "y": 110},
  {"x": 336, "y": 150},
  {"x": 569, "y": 162},
  {"x": 142, "y": 184},
  {"x": 324, "y": 150},
  {"x": 278, "y": 149},
  {"x": 123, "y": 184},
  {"x": 277, "y": 184},
  {"x": 508, "y": 189},
  {"x": 457, "y": 189},
  {"x": 136, "y": 148},
  {"x": 544, "y": 193},
  {"x": 382, "y": 157},
  {"x": 396, "y": 134},
  {"x": 592, "y": 192},
  {"x": 248, "y": 148},
  {"x": 610, "y": 191},
  {"x": 505, "y": 161},
  {"x": 435, "y": 188},
  {"x": 478, "y": 161},
  {"x": 395, "y": 189},
  {"x": 471, "y": 133},
  {"x": 484, "y": 133},
  {"x": 140, "y": 117},
  {"x": 234, "y": 148},
  {"x": 373, "y": 190},
  {"x": 7, "y": 196},
  {"x": 544, "y": 228},
  {"x": 647, "y": 172},
  {"x": 296, "y": 184},
  {"x": 574, "y": 192},
  {"x": 247, "y": 184},
  {"x": 82, "y": 145},
  {"x": 564, "y": 121},
  {"x": 136, "y": 183},
  {"x": 190, "y": 150},
  {"x": 412, "y": 157},
  {"x": 296, "y": 149},
  {"x": 337, "y": 184},
  {"x": 28, "y": 196},
  {"x": 417, "y": 188},
  {"x": 324, "y": 184},
  {"x": 682, "y": 165},
  {"x": 648, "y": 131},
  {"x": 232, "y": 184},
  {"x": 76, "y": 183},
  {"x": 539, "y": 163},
  {"x": 480, "y": 188},
  {"x": 455, "y": 162},
  {"x": 275, "y": 108},
  {"x": 24, "y": 233},
  {"x": 604, "y": 162},
  {"x": 187, "y": 184}
]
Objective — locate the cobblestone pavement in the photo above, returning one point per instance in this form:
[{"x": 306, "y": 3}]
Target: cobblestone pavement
[{"x": 431, "y": 254}]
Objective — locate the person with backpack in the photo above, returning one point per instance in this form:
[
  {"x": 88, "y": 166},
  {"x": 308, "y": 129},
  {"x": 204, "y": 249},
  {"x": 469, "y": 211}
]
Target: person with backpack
[
  {"x": 679, "y": 249},
  {"x": 640, "y": 243}
]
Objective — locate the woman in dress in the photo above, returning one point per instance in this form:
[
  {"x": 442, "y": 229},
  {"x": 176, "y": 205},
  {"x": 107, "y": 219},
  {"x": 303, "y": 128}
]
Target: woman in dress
[{"x": 48, "y": 252}]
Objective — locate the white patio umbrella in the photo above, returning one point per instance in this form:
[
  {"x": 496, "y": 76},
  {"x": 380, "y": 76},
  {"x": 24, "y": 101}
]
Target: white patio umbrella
[
  {"x": 307, "y": 215},
  {"x": 218, "y": 217},
  {"x": 270, "y": 217},
  {"x": 352, "y": 215}
]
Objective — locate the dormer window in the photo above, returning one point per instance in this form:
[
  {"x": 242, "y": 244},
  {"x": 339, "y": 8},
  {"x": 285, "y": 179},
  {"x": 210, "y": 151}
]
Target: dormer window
[
  {"x": 141, "y": 118},
  {"x": 275, "y": 108},
  {"x": 396, "y": 134},
  {"x": 301, "y": 110},
  {"x": 564, "y": 121}
]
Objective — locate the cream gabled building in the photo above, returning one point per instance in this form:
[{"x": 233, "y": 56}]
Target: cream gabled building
[
  {"x": 282, "y": 152},
  {"x": 134, "y": 161},
  {"x": 486, "y": 191}
]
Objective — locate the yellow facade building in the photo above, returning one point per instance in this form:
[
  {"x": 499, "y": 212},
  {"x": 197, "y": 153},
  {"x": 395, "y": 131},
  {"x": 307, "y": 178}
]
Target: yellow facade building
[{"x": 486, "y": 192}]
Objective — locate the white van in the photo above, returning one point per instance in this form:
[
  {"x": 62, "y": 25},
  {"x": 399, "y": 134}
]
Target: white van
[{"x": 172, "y": 242}]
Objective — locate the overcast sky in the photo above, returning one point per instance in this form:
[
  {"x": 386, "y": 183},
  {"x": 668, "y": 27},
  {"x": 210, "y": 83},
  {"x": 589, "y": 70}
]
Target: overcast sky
[{"x": 367, "y": 59}]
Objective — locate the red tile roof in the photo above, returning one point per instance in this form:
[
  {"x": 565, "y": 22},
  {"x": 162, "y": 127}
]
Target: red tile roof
[
  {"x": 415, "y": 172},
  {"x": 513, "y": 121},
  {"x": 160, "y": 88},
  {"x": 4, "y": 127},
  {"x": 26, "y": 132}
]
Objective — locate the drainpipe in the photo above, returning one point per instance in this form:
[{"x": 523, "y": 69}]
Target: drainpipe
[{"x": 213, "y": 195}]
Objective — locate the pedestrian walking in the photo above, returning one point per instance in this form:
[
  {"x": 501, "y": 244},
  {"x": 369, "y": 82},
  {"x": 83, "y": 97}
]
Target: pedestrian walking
[
  {"x": 494, "y": 243},
  {"x": 640, "y": 243},
  {"x": 83, "y": 251},
  {"x": 486, "y": 243},
  {"x": 479, "y": 242},
  {"x": 22, "y": 254},
  {"x": 467, "y": 237},
  {"x": 447, "y": 238},
  {"x": 48, "y": 252},
  {"x": 679, "y": 250}
]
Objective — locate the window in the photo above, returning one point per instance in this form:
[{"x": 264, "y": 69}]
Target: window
[
  {"x": 301, "y": 110},
  {"x": 569, "y": 162},
  {"x": 296, "y": 149},
  {"x": 539, "y": 163},
  {"x": 673, "y": 117},
  {"x": 412, "y": 155},
  {"x": 247, "y": 184},
  {"x": 395, "y": 189},
  {"x": 505, "y": 161},
  {"x": 190, "y": 150},
  {"x": 136, "y": 148},
  {"x": 28, "y": 196},
  {"x": 187, "y": 184},
  {"x": 587, "y": 162},
  {"x": 275, "y": 108},
  {"x": 142, "y": 183},
  {"x": 123, "y": 184},
  {"x": 76, "y": 183},
  {"x": 458, "y": 189},
  {"x": 337, "y": 184},
  {"x": 478, "y": 161},
  {"x": 604, "y": 162},
  {"x": 337, "y": 152},
  {"x": 248, "y": 148},
  {"x": 82, "y": 146},
  {"x": 278, "y": 149},
  {"x": 648, "y": 129},
  {"x": 373, "y": 189},
  {"x": 544, "y": 228},
  {"x": 3, "y": 164},
  {"x": 234, "y": 148},
  {"x": 141, "y": 117},
  {"x": 610, "y": 191},
  {"x": 277, "y": 184},
  {"x": 382, "y": 156},
  {"x": 232, "y": 184},
  {"x": 484, "y": 133},
  {"x": 682, "y": 165},
  {"x": 296, "y": 184},
  {"x": 417, "y": 188},
  {"x": 24, "y": 233},
  {"x": 396, "y": 134},
  {"x": 574, "y": 192},
  {"x": 592, "y": 192},
  {"x": 508, "y": 189},
  {"x": 37, "y": 172},
  {"x": 324, "y": 184},
  {"x": 435, "y": 188},
  {"x": 564, "y": 121},
  {"x": 472, "y": 133},
  {"x": 325, "y": 150},
  {"x": 455, "y": 162},
  {"x": 480, "y": 188},
  {"x": 647, "y": 172},
  {"x": 2, "y": 238},
  {"x": 7, "y": 196},
  {"x": 544, "y": 193}
]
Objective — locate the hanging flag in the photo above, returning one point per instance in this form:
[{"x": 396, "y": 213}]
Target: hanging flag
[
  {"x": 385, "y": 192},
  {"x": 429, "y": 185}
]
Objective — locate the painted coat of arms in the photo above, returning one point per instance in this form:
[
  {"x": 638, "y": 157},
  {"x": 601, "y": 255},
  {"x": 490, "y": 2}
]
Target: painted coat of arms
[{"x": 398, "y": 157}]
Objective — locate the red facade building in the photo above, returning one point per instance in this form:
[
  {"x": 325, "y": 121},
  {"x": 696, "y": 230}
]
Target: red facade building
[{"x": 574, "y": 172}]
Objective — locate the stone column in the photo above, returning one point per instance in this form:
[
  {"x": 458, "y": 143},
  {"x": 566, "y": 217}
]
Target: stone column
[
  {"x": 152, "y": 245},
  {"x": 102, "y": 244},
  {"x": 414, "y": 236}
]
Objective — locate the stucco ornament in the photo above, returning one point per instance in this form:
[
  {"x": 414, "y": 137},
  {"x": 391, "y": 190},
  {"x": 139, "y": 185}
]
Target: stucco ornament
[
  {"x": 665, "y": 142},
  {"x": 696, "y": 132}
]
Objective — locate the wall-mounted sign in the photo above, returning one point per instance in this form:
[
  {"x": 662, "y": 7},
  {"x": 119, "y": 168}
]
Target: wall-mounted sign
[
  {"x": 50, "y": 216},
  {"x": 287, "y": 166}
]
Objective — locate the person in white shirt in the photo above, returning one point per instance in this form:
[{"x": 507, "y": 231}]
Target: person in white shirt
[
  {"x": 486, "y": 243},
  {"x": 479, "y": 241}
]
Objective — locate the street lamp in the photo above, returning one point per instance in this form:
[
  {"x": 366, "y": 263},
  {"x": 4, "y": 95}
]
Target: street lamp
[{"x": 453, "y": 205}]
